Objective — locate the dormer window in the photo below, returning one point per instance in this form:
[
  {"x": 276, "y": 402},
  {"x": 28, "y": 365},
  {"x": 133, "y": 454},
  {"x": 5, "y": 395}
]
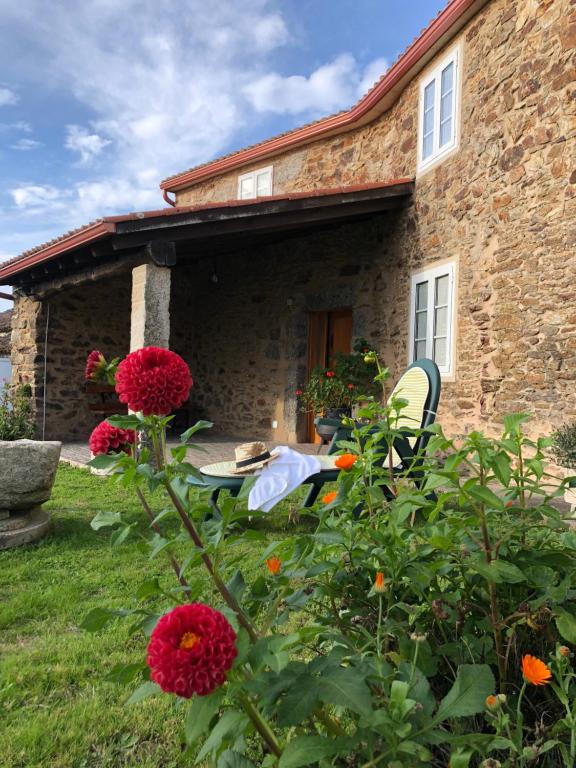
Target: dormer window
[
  {"x": 438, "y": 111},
  {"x": 255, "y": 184}
]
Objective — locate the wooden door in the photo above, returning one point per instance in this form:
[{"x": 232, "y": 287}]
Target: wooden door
[{"x": 328, "y": 333}]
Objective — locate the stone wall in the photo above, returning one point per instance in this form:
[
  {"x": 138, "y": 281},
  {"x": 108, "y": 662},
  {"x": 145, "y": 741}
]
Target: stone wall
[
  {"x": 245, "y": 336},
  {"x": 503, "y": 206},
  {"x": 95, "y": 315}
]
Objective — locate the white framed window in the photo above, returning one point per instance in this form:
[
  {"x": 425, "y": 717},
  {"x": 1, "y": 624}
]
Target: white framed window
[
  {"x": 432, "y": 316},
  {"x": 255, "y": 184},
  {"x": 438, "y": 123}
]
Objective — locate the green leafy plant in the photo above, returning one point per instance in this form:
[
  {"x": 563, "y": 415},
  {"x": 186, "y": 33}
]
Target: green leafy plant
[
  {"x": 16, "y": 412},
  {"x": 350, "y": 378},
  {"x": 395, "y": 628},
  {"x": 564, "y": 446}
]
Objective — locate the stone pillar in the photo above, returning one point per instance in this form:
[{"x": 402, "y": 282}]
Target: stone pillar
[
  {"x": 29, "y": 319},
  {"x": 150, "y": 320}
]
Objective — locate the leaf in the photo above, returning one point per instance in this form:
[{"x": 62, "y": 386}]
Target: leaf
[
  {"x": 460, "y": 759},
  {"x": 344, "y": 687},
  {"x": 474, "y": 682},
  {"x": 125, "y": 422},
  {"x": 149, "y": 588},
  {"x": 232, "y": 723},
  {"x": 105, "y": 519},
  {"x": 200, "y": 714},
  {"x": 501, "y": 467},
  {"x": 120, "y": 535},
  {"x": 231, "y": 759},
  {"x": 486, "y": 496},
  {"x": 307, "y": 750},
  {"x": 185, "y": 436},
  {"x": 299, "y": 702},
  {"x": 566, "y": 624},
  {"x": 146, "y": 690},
  {"x": 105, "y": 461},
  {"x": 513, "y": 422},
  {"x": 98, "y": 618},
  {"x": 237, "y": 585},
  {"x": 498, "y": 571},
  {"x": 122, "y": 674}
]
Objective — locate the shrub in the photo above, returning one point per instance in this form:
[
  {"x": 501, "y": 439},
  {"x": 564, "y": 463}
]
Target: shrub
[
  {"x": 564, "y": 446},
  {"x": 16, "y": 413},
  {"x": 411, "y": 624}
]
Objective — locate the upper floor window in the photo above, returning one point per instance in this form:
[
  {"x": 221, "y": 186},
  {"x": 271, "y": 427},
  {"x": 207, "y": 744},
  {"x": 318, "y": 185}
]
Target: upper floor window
[
  {"x": 255, "y": 184},
  {"x": 438, "y": 111},
  {"x": 431, "y": 316}
]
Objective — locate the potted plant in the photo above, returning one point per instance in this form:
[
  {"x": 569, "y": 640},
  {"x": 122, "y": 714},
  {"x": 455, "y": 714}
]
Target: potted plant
[
  {"x": 99, "y": 376},
  {"x": 564, "y": 452},
  {"x": 331, "y": 392},
  {"x": 27, "y": 469}
]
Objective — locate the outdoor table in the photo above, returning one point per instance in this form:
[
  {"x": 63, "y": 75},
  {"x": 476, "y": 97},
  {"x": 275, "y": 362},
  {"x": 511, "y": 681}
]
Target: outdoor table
[{"x": 218, "y": 477}]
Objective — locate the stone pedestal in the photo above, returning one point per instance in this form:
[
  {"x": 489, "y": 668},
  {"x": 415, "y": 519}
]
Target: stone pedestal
[
  {"x": 27, "y": 473},
  {"x": 150, "y": 319}
]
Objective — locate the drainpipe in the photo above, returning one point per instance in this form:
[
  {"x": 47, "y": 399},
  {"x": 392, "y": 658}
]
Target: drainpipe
[{"x": 168, "y": 199}]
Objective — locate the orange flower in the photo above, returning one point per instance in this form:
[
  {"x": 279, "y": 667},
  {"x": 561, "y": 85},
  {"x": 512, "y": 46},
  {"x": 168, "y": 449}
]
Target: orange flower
[
  {"x": 274, "y": 564},
  {"x": 535, "y": 671},
  {"x": 346, "y": 461},
  {"x": 379, "y": 584},
  {"x": 329, "y": 497},
  {"x": 492, "y": 702}
]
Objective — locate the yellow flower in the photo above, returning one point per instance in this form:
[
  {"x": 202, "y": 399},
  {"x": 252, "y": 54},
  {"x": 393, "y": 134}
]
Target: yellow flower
[{"x": 535, "y": 671}]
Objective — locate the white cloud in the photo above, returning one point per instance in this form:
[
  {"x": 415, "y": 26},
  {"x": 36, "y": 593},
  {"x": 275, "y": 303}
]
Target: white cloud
[
  {"x": 35, "y": 195},
  {"x": 88, "y": 145},
  {"x": 7, "y": 97},
  {"x": 372, "y": 74},
  {"x": 158, "y": 91},
  {"x": 25, "y": 145},
  {"x": 330, "y": 87},
  {"x": 19, "y": 125}
]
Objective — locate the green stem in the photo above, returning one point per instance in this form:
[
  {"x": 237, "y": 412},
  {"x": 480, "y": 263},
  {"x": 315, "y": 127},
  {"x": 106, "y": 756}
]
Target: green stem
[
  {"x": 261, "y": 725},
  {"x": 229, "y": 599}
]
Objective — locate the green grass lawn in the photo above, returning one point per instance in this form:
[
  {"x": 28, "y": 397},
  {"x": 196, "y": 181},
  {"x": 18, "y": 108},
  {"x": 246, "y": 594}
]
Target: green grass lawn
[{"x": 55, "y": 709}]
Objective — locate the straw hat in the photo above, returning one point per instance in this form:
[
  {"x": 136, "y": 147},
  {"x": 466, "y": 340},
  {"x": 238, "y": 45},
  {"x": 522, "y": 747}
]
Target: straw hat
[{"x": 251, "y": 456}]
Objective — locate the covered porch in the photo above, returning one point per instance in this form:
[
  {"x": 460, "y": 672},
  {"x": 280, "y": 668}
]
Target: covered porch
[{"x": 230, "y": 287}]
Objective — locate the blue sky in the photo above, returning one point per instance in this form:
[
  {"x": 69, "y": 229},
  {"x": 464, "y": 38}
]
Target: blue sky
[{"x": 101, "y": 99}]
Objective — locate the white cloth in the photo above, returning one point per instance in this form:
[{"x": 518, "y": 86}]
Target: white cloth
[{"x": 280, "y": 477}]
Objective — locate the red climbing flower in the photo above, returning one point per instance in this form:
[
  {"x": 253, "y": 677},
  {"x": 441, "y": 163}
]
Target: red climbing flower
[
  {"x": 330, "y": 374},
  {"x": 94, "y": 363},
  {"x": 191, "y": 649},
  {"x": 153, "y": 380},
  {"x": 350, "y": 386},
  {"x": 108, "y": 439},
  {"x": 299, "y": 392}
]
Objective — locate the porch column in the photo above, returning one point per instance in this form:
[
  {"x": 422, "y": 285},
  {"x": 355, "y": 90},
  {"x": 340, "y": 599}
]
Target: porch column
[{"x": 150, "y": 319}]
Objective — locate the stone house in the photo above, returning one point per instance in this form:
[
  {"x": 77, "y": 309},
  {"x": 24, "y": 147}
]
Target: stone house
[{"x": 436, "y": 217}]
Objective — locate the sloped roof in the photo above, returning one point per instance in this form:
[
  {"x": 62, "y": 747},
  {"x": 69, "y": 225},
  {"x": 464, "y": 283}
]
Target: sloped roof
[
  {"x": 109, "y": 225},
  {"x": 378, "y": 99}
]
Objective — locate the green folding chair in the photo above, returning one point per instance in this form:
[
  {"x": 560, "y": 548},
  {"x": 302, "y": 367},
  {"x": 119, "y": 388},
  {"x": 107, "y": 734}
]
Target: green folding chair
[{"x": 420, "y": 386}]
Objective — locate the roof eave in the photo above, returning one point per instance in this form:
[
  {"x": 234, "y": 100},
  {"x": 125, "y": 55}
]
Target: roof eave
[{"x": 444, "y": 27}]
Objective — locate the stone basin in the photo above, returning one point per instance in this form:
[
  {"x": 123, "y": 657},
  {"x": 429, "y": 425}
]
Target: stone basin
[{"x": 27, "y": 473}]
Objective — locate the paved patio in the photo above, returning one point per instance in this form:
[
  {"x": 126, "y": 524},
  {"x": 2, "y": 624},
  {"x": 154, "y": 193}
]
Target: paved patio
[{"x": 216, "y": 448}]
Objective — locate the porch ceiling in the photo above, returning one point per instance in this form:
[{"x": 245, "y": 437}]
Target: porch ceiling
[{"x": 165, "y": 236}]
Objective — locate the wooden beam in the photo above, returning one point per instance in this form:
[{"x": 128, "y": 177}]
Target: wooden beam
[
  {"x": 7, "y": 296},
  {"x": 161, "y": 252},
  {"x": 274, "y": 222},
  {"x": 43, "y": 288}
]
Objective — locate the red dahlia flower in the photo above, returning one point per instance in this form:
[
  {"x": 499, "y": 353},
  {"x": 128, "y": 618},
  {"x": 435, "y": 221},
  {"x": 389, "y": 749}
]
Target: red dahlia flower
[
  {"x": 153, "y": 380},
  {"x": 190, "y": 650},
  {"x": 93, "y": 364},
  {"x": 108, "y": 439}
]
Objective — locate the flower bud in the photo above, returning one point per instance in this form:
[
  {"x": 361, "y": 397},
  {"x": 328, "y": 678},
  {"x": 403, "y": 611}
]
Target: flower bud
[
  {"x": 418, "y": 637},
  {"x": 370, "y": 357},
  {"x": 564, "y": 651},
  {"x": 502, "y": 698},
  {"x": 379, "y": 583},
  {"x": 490, "y": 762},
  {"x": 492, "y": 702}
]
